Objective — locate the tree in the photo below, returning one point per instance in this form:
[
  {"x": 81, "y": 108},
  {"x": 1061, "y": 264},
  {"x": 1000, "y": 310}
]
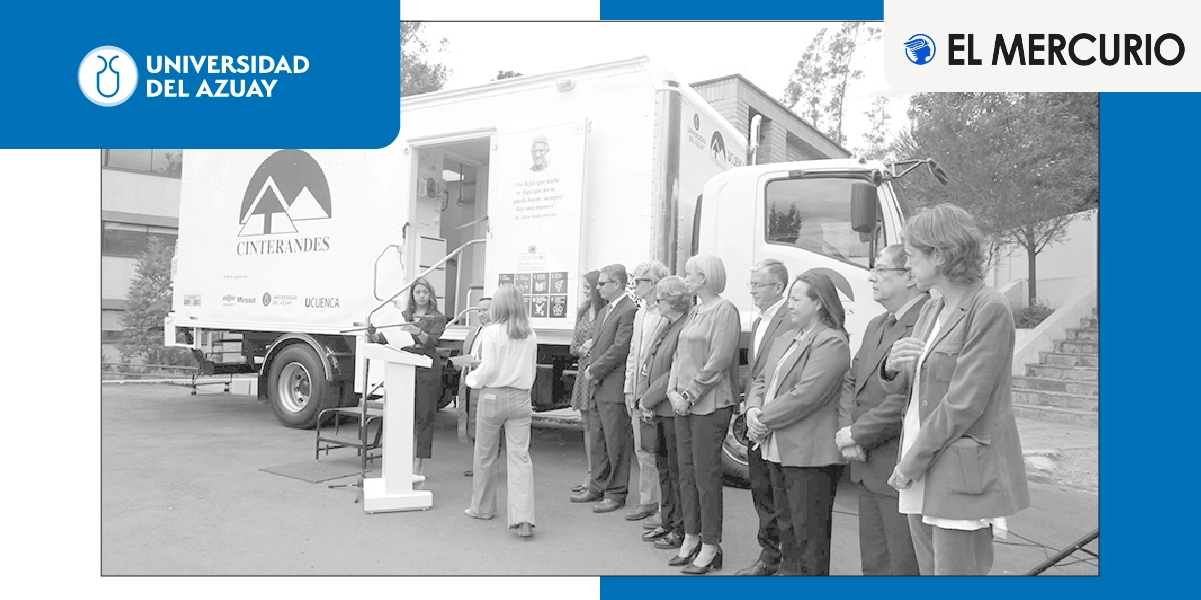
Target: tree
[
  {"x": 821, "y": 86},
  {"x": 876, "y": 138},
  {"x": 417, "y": 74},
  {"x": 507, "y": 75},
  {"x": 149, "y": 302},
  {"x": 1022, "y": 163}
]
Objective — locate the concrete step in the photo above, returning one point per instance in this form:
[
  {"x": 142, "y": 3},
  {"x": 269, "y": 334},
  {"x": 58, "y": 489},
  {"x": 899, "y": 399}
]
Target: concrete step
[
  {"x": 1067, "y": 386},
  {"x": 1056, "y": 399},
  {"x": 1084, "y": 334},
  {"x": 1090, "y": 322},
  {"x": 1048, "y": 414},
  {"x": 1061, "y": 372},
  {"x": 1068, "y": 359},
  {"x": 1077, "y": 347}
]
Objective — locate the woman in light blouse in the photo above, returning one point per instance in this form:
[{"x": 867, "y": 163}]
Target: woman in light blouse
[
  {"x": 961, "y": 470},
  {"x": 792, "y": 415},
  {"x": 703, "y": 389},
  {"x": 507, "y": 362}
]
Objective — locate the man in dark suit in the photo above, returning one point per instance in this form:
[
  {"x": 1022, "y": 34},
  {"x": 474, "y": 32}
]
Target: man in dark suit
[
  {"x": 871, "y": 420},
  {"x": 608, "y": 422},
  {"x": 769, "y": 282}
]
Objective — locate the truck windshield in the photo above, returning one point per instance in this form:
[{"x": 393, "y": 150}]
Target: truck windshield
[{"x": 814, "y": 214}]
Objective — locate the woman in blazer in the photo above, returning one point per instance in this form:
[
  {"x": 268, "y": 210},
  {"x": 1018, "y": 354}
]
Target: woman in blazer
[
  {"x": 960, "y": 471},
  {"x": 650, "y": 387},
  {"x": 703, "y": 389},
  {"x": 792, "y": 412},
  {"x": 581, "y": 342}
]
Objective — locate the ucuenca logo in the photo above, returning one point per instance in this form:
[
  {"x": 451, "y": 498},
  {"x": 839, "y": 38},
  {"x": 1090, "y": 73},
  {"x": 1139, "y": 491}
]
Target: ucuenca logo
[
  {"x": 108, "y": 76},
  {"x": 920, "y": 49}
]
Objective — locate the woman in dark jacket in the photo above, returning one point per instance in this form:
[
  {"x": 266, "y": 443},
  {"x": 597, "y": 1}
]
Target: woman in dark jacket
[
  {"x": 426, "y": 324},
  {"x": 581, "y": 341},
  {"x": 650, "y": 387}
]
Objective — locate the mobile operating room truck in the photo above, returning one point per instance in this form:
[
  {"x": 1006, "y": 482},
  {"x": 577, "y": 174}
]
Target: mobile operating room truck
[{"x": 285, "y": 258}]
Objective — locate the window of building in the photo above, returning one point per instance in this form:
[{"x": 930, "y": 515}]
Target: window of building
[
  {"x": 814, "y": 214},
  {"x": 159, "y": 162},
  {"x": 125, "y": 239}
]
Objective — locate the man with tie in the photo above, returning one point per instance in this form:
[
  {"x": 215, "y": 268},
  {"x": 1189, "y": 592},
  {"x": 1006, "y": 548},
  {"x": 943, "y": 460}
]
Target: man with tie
[
  {"x": 871, "y": 425},
  {"x": 769, "y": 281}
]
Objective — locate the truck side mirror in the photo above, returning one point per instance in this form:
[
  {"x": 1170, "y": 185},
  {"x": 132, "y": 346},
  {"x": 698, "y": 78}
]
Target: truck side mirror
[{"x": 863, "y": 207}]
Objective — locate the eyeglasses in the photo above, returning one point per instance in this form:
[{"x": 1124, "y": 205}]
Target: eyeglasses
[
  {"x": 638, "y": 280},
  {"x": 878, "y": 270},
  {"x": 604, "y": 282},
  {"x": 751, "y": 286}
]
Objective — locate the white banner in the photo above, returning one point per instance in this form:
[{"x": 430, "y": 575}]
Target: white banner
[
  {"x": 534, "y": 219},
  {"x": 1038, "y": 46}
]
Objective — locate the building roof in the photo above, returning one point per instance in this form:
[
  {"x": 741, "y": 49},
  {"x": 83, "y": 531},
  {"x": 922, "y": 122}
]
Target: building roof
[{"x": 778, "y": 104}]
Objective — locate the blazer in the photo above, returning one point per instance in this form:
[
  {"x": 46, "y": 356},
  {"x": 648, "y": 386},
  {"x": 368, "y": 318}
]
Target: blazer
[
  {"x": 873, "y": 415},
  {"x": 635, "y": 358},
  {"x": 610, "y": 345},
  {"x": 651, "y": 389},
  {"x": 779, "y": 323},
  {"x": 804, "y": 415},
  {"x": 968, "y": 449}
]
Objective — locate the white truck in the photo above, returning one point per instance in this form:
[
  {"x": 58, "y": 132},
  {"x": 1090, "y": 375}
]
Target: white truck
[{"x": 285, "y": 257}]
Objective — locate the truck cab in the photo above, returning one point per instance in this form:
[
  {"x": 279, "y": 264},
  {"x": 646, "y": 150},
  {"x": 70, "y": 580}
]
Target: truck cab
[{"x": 833, "y": 215}]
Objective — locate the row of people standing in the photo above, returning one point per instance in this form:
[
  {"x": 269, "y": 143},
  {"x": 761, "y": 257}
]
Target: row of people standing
[{"x": 922, "y": 413}]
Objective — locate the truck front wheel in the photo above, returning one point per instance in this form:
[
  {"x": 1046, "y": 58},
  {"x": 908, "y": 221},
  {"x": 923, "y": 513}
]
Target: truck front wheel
[{"x": 297, "y": 387}]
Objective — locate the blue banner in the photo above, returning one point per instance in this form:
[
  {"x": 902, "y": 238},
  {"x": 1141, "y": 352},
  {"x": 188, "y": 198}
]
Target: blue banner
[
  {"x": 843, "y": 10},
  {"x": 219, "y": 74}
]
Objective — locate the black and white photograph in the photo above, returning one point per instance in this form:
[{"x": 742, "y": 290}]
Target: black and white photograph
[{"x": 621, "y": 298}]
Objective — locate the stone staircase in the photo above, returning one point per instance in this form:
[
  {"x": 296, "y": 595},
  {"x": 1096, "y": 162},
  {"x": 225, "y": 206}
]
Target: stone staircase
[{"x": 1063, "y": 386}]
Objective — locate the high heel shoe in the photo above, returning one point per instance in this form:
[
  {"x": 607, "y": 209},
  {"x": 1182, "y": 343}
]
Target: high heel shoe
[
  {"x": 715, "y": 565},
  {"x": 679, "y": 561}
]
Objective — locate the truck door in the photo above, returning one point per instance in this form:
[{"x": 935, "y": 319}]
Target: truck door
[{"x": 536, "y": 211}]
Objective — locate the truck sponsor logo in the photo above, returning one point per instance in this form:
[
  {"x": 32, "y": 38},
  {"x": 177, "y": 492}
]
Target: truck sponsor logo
[
  {"x": 696, "y": 121},
  {"x": 288, "y": 187},
  {"x": 245, "y": 300},
  {"x": 191, "y": 300},
  {"x": 717, "y": 149},
  {"x": 270, "y": 299},
  {"x": 266, "y": 299},
  {"x": 228, "y": 300},
  {"x": 322, "y": 303}
]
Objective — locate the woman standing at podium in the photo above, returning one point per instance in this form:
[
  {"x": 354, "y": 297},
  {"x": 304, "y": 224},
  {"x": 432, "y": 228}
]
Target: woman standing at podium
[
  {"x": 426, "y": 324},
  {"x": 505, "y": 374}
]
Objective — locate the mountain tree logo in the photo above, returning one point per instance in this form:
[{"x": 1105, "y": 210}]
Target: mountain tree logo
[
  {"x": 717, "y": 145},
  {"x": 288, "y": 187},
  {"x": 920, "y": 49}
]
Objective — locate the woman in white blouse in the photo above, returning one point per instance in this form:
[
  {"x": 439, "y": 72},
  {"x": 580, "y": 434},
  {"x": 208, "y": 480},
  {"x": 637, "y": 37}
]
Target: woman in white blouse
[{"x": 508, "y": 352}]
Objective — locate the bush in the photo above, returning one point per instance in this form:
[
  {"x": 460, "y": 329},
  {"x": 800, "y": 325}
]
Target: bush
[{"x": 1030, "y": 317}]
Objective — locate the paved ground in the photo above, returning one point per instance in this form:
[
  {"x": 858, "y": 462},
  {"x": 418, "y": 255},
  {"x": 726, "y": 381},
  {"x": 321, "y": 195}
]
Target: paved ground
[{"x": 182, "y": 494}]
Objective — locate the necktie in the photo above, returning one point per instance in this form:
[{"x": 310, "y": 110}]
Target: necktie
[{"x": 888, "y": 323}]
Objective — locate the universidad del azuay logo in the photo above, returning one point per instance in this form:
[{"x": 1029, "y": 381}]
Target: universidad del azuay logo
[
  {"x": 920, "y": 49},
  {"x": 108, "y": 76}
]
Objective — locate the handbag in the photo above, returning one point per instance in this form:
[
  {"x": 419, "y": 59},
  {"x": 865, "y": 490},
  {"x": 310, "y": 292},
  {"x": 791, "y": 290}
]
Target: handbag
[{"x": 648, "y": 430}]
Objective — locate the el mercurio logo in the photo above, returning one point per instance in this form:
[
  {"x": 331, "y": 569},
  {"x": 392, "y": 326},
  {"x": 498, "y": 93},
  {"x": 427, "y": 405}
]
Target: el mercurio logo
[
  {"x": 920, "y": 49},
  {"x": 108, "y": 76}
]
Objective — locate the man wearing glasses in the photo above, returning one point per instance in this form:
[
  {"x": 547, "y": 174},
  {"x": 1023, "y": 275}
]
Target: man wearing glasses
[
  {"x": 647, "y": 319},
  {"x": 769, "y": 282},
  {"x": 871, "y": 422},
  {"x": 608, "y": 422}
]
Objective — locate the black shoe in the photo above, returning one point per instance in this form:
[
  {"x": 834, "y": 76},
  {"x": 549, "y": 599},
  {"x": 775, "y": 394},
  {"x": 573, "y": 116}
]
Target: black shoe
[
  {"x": 654, "y": 534},
  {"x": 714, "y": 565},
  {"x": 525, "y": 530},
  {"x": 587, "y": 497},
  {"x": 679, "y": 561},
  {"x": 468, "y": 473},
  {"x": 671, "y": 541},
  {"x": 607, "y": 505},
  {"x": 759, "y": 568}
]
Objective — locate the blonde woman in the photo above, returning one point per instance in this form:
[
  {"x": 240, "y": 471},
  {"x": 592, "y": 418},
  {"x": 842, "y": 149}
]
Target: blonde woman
[
  {"x": 703, "y": 390},
  {"x": 508, "y": 354}
]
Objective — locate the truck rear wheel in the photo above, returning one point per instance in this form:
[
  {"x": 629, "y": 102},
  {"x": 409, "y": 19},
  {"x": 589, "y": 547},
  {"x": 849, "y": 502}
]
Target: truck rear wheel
[{"x": 296, "y": 386}]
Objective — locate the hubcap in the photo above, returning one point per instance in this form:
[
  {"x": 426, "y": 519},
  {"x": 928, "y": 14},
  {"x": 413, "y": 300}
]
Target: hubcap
[{"x": 294, "y": 387}]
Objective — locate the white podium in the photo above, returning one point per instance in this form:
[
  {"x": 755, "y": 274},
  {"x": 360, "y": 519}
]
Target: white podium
[{"x": 393, "y": 490}]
